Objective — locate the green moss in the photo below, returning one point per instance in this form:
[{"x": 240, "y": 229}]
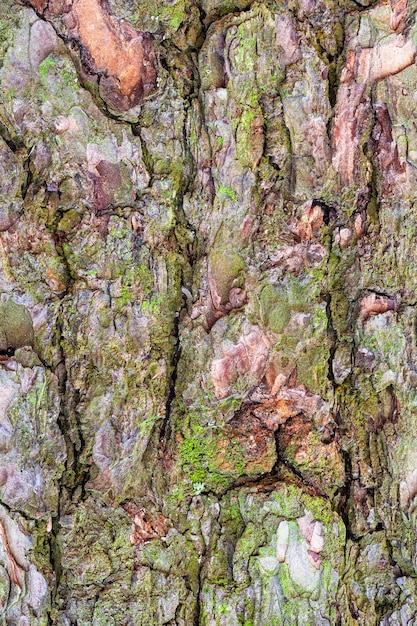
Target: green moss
[
  {"x": 288, "y": 501},
  {"x": 58, "y": 77},
  {"x": 312, "y": 366},
  {"x": 45, "y": 66},
  {"x": 203, "y": 456},
  {"x": 227, "y": 192},
  {"x": 245, "y": 54},
  {"x": 276, "y": 311},
  {"x": 69, "y": 220},
  {"x": 225, "y": 269},
  {"x": 230, "y": 515},
  {"x": 248, "y": 141},
  {"x": 16, "y": 328},
  {"x": 196, "y": 452},
  {"x": 41, "y": 553}
]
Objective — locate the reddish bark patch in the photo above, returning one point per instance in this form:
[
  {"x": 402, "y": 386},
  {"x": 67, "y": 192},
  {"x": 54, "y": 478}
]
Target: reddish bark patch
[
  {"x": 39, "y": 5},
  {"x": 287, "y": 39},
  {"x": 295, "y": 433},
  {"x": 146, "y": 525},
  {"x": 308, "y": 226},
  {"x": 14, "y": 568},
  {"x": 252, "y": 441},
  {"x": 364, "y": 66},
  {"x": 274, "y": 413},
  {"x": 353, "y": 110},
  {"x": 399, "y": 10},
  {"x": 121, "y": 57},
  {"x": 386, "y": 151},
  {"x": 247, "y": 356},
  {"x": 220, "y": 305},
  {"x": 106, "y": 184},
  {"x": 375, "y": 304}
]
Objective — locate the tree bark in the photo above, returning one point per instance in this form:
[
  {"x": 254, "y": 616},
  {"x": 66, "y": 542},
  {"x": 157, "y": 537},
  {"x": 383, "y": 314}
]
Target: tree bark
[{"x": 208, "y": 312}]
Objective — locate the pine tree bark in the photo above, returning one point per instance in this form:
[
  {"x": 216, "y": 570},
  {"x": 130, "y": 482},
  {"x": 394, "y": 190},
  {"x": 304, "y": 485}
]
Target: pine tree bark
[{"x": 208, "y": 312}]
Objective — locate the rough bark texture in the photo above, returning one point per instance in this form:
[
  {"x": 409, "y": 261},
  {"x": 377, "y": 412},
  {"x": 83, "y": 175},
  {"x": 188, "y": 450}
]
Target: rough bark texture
[{"x": 208, "y": 344}]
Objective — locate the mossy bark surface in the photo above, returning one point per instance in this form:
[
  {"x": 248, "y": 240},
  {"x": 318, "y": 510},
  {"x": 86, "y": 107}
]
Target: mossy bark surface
[{"x": 208, "y": 275}]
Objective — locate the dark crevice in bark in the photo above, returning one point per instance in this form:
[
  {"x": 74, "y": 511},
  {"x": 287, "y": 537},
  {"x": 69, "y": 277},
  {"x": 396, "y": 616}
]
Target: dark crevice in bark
[
  {"x": 309, "y": 483},
  {"x": 291, "y": 168},
  {"x": 344, "y": 496},
  {"x": 55, "y": 553},
  {"x": 71, "y": 485},
  {"x": 190, "y": 255},
  {"x": 60, "y": 238},
  {"x": 329, "y": 218},
  {"x": 146, "y": 155},
  {"x": 332, "y": 336},
  {"x": 268, "y": 481},
  {"x": 278, "y": 452},
  {"x": 306, "y": 482},
  {"x": 64, "y": 260},
  {"x": 264, "y": 482},
  {"x": 363, "y": 6},
  {"x": 14, "y": 143},
  {"x": 176, "y": 354},
  {"x": 27, "y": 178},
  {"x": 56, "y": 561},
  {"x": 373, "y": 201},
  {"x": 176, "y": 351},
  {"x": 197, "y": 611},
  {"x": 203, "y": 16},
  {"x": 333, "y": 61},
  {"x": 329, "y": 214},
  {"x": 24, "y": 514}
]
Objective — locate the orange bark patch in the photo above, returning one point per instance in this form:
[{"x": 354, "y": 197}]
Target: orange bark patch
[
  {"x": 275, "y": 412},
  {"x": 375, "y": 304},
  {"x": 119, "y": 55},
  {"x": 250, "y": 441},
  {"x": 399, "y": 9},
  {"x": 120, "y": 51}
]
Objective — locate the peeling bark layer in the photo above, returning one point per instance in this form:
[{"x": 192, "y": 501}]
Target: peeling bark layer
[{"x": 119, "y": 57}]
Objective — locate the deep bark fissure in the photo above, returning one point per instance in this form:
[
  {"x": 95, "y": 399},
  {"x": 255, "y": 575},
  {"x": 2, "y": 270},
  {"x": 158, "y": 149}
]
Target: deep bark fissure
[
  {"x": 344, "y": 496},
  {"x": 332, "y": 335},
  {"x": 14, "y": 143},
  {"x": 197, "y": 610},
  {"x": 172, "y": 381},
  {"x": 74, "y": 476}
]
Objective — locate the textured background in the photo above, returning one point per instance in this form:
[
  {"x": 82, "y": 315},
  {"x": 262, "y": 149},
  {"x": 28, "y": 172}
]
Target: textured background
[{"x": 208, "y": 312}]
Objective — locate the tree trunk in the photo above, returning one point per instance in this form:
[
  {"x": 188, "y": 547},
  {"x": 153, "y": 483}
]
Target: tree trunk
[{"x": 208, "y": 312}]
